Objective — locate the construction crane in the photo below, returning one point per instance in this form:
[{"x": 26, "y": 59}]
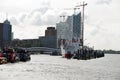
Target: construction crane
[{"x": 83, "y": 7}]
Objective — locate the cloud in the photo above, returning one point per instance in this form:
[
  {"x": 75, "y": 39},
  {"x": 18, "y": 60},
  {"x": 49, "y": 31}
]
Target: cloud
[
  {"x": 34, "y": 22},
  {"x": 14, "y": 21},
  {"x": 21, "y": 17},
  {"x": 101, "y": 19},
  {"x": 103, "y": 2},
  {"x": 43, "y": 10},
  {"x": 39, "y": 17}
]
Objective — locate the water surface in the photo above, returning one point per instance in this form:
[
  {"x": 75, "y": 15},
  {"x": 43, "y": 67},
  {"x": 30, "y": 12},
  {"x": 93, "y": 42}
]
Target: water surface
[{"x": 45, "y": 67}]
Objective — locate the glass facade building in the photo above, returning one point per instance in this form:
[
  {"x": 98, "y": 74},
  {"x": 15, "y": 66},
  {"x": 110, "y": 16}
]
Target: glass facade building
[
  {"x": 69, "y": 29},
  {"x": 7, "y": 31},
  {"x": 5, "y": 34},
  {"x": 77, "y": 25}
]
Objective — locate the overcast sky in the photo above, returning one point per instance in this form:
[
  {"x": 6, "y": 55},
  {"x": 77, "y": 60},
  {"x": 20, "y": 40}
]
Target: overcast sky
[{"x": 29, "y": 19}]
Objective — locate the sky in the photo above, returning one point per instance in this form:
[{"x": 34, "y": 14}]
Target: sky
[{"x": 30, "y": 18}]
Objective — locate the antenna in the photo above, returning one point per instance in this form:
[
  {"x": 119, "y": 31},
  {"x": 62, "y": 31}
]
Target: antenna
[{"x": 6, "y": 16}]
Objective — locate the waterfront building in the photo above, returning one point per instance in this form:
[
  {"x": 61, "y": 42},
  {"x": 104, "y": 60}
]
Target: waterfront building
[
  {"x": 77, "y": 25},
  {"x": 26, "y": 43},
  {"x": 50, "y": 38},
  {"x": 70, "y": 29},
  {"x": 51, "y": 31},
  {"x": 62, "y": 30},
  {"x": 49, "y": 41},
  {"x": 5, "y": 34}
]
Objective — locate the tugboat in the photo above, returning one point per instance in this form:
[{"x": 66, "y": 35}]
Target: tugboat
[
  {"x": 7, "y": 55},
  {"x": 23, "y": 54},
  {"x": 11, "y": 55},
  {"x": 69, "y": 48}
]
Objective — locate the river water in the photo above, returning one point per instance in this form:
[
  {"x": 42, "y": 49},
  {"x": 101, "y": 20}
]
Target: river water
[{"x": 45, "y": 67}]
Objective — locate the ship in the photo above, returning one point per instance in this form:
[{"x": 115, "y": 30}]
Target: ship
[
  {"x": 13, "y": 55},
  {"x": 69, "y": 48}
]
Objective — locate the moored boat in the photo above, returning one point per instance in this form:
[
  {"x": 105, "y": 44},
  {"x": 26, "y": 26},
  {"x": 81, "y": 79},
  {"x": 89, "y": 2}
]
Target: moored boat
[{"x": 9, "y": 55}]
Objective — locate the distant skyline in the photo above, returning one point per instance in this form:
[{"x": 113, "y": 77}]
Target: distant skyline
[{"x": 30, "y": 18}]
